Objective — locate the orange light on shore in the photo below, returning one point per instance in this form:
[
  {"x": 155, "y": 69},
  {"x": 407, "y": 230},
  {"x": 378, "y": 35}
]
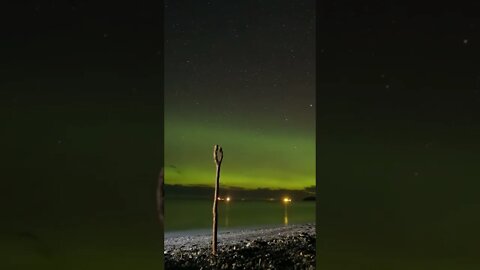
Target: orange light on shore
[
  {"x": 287, "y": 200},
  {"x": 228, "y": 199}
]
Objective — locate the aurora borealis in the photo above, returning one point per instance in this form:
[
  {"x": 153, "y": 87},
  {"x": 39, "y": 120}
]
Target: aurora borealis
[
  {"x": 273, "y": 159},
  {"x": 240, "y": 75}
]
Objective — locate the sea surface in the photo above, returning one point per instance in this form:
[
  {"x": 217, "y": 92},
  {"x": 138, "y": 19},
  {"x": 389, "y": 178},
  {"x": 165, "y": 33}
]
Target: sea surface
[{"x": 196, "y": 214}]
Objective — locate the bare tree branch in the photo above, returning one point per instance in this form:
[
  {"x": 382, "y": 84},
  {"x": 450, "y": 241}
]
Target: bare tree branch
[
  {"x": 217, "y": 158},
  {"x": 160, "y": 198}
]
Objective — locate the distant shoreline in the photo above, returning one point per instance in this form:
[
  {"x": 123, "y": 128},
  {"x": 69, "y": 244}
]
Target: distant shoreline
[
  {"x": 280, "y": 247},
  {"x": 275, "y": 200}
]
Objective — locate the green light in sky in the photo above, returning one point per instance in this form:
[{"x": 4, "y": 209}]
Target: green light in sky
[{"x": 273, "y": 158}]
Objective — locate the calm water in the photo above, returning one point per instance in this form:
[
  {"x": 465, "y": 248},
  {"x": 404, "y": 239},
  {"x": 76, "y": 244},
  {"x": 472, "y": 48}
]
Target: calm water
[{"x": 182, "y": 214}]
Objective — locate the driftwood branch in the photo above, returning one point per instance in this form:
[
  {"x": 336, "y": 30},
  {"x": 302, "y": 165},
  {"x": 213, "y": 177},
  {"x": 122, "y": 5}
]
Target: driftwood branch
[
  {"x": 217, "y": 158},
  {"x": 160, "y": 198}
]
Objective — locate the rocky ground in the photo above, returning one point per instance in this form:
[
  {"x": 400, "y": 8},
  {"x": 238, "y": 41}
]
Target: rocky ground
[{"x": 289, "y": 247}]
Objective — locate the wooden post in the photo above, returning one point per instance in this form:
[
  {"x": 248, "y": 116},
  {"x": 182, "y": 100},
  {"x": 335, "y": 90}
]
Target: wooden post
[
  {"x": 217, "y": 158},
  {"x": 160, "y": 198}
]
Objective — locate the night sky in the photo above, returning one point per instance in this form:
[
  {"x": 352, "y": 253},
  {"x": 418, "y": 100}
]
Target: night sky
[
  {"x": 240, "y": 74},
  {"x": 81, "y": 99},
  {"x": 81, "y": 134},
  {"x": 397, "y": 140}
]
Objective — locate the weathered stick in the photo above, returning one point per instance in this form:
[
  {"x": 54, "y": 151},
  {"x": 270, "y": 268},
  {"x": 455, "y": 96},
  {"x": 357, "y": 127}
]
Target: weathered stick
[
  {"x": 160, "y": 195},
  {"x": 217, "y": 158}
]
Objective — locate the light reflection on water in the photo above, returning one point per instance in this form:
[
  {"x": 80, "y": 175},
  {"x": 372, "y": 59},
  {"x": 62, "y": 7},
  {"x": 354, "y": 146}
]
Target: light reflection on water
[
  {"x": 186, "y": 214},
  {"x": 226, "y": 213},
  {"x": 285, "y": 216}
]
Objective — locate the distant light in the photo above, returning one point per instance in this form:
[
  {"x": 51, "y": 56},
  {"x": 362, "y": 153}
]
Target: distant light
[
  {"x": 287, "y": 200},
  {"x": 228, "y": 199}
]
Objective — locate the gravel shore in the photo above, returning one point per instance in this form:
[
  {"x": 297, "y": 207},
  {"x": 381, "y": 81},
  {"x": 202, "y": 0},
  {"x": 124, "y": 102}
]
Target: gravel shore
[{"x": 288, "y": 247}]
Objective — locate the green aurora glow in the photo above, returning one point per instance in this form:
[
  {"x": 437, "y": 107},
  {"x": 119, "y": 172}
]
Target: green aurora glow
[{"x": 276, "y": 158}]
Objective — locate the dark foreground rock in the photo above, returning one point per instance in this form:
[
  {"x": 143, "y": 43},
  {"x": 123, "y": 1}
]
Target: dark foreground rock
[{"x": 291, "y": 247}]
